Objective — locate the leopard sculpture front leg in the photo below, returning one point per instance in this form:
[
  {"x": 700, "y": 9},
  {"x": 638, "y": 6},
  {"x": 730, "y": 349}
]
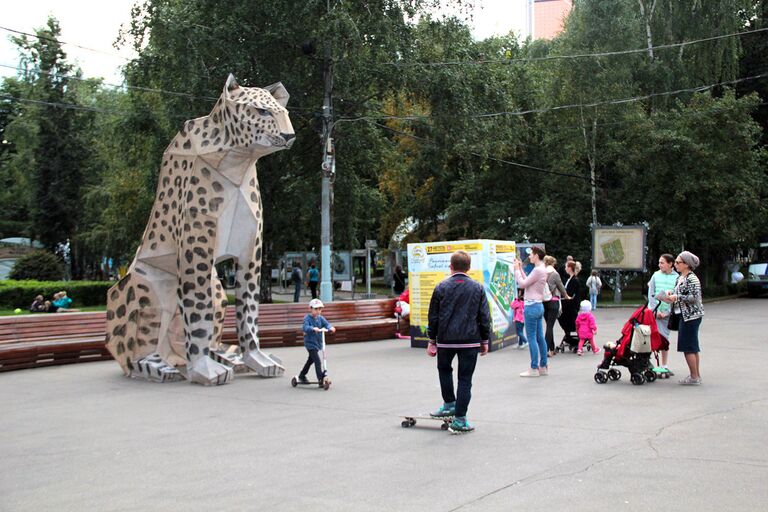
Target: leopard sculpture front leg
[{"x": 248, "y": 275}]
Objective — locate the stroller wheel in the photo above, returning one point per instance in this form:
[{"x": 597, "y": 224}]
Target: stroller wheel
[
  {"x": 601, "y": 378},
  {"x": 637, "y": 379},
  {"x": 650, "y": 375},
  {"x": 614, "y": 374}
]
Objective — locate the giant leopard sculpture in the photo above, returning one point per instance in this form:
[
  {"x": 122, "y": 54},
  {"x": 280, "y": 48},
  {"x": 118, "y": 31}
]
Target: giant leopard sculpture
[{"x": 165, "y": 317}]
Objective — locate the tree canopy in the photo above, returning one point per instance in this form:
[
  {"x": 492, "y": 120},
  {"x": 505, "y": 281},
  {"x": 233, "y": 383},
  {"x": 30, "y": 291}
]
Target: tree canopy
[{"x": 647, "y": 111}]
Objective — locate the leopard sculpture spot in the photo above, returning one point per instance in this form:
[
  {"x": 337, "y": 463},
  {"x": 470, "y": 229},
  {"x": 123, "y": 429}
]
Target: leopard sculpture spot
[{"x": 165, "y": 317}]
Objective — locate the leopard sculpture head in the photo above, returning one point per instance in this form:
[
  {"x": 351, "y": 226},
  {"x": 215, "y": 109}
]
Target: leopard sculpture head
[{"x": 249, "y": 118}]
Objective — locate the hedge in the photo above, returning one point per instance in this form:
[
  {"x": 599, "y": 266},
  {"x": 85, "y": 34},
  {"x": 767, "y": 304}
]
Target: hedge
[{"x": 20, "y": 294}]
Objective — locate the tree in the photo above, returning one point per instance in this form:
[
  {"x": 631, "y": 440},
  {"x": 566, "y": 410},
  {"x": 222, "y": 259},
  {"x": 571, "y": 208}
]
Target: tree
[{"x": 54, "y": 154}]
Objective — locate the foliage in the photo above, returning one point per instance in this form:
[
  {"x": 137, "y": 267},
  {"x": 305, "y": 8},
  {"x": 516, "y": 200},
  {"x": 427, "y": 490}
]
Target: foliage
[
  {"x": 20, "y": 294},
  {"x": 41, "y": 265},
  {"x": 464, "y": 138}
]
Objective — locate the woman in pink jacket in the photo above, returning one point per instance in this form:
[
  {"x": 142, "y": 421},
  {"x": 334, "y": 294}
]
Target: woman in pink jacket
[{"x": 586, "y": 327}]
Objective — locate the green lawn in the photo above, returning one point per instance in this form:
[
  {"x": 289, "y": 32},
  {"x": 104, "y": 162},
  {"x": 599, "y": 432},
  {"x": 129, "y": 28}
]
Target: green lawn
[{"x": 10, "y": 312}]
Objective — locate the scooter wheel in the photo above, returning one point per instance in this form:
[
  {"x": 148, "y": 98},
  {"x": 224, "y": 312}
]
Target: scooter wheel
[{"x": 294, "y": 382}]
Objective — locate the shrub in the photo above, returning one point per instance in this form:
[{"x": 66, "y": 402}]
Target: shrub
[
  {"x": 20, "y": 294},
  {"x": 39, "y": 265}
]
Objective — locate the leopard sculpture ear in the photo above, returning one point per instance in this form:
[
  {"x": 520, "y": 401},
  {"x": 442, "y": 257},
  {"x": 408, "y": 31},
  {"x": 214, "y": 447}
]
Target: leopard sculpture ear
[
  {"x": 279, "y": 93},
  {"x": 231, "y": 83}
]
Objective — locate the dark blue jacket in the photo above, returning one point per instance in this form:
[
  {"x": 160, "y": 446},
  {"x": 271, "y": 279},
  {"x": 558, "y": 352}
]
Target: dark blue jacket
[
  {"x": 458, "y": 313},
  {"x": 314, "y": 340}
]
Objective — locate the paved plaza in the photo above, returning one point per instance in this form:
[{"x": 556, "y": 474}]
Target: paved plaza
[{"x": 84, "y": 438}]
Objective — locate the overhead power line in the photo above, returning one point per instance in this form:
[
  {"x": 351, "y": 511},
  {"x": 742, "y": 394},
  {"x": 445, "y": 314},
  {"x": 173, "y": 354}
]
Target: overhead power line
[
  {"x": 542, "y": 110},
  {"x": 495, "y": 159},
  {"x": 53, "y": 39},
  {"x": 571, "y": 56}
]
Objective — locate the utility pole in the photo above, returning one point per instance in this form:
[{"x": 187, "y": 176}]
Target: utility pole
[{"x": 329, "y": 169}]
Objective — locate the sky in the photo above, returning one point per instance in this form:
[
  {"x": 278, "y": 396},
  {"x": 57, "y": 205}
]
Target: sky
[{"x": 96, "y": 24}]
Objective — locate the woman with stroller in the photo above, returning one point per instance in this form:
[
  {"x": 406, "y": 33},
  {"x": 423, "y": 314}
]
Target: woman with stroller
[
  {"x": 662, "y": 281},
  {"x": 552, "y": 301},
  {"x": 571, "y": 303},
  {"x": 686, "y": 301}
]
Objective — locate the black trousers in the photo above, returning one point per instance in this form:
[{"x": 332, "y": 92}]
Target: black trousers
[
  {"x": 314, "y": 358},
  {"x": 467, "y": 361},
  {"x": 313, "y": 288},
  {"x": 550, "y": 317}
]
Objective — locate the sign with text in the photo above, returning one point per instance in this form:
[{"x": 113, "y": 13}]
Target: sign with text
[
  {"x": 429, "y": 263},
  {"x": 618, "y": 248}
]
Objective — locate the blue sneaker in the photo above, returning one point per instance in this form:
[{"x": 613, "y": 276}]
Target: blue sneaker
[
  {"x": 460, "y": 425},
  {"x": 445, "y": 411}
]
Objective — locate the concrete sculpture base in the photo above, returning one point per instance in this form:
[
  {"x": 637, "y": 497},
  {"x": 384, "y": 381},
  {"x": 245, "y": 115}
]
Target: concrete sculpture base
[{"x": 165, "y": 317}]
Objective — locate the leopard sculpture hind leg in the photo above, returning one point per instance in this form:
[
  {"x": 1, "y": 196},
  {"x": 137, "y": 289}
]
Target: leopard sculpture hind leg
[{"x": 167, "y": 313}]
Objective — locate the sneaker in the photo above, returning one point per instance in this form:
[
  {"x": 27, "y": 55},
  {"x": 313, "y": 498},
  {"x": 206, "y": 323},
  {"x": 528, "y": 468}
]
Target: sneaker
[
  {"x": 543, "y": 371},
  {"x": 522, "y": 345},
  {"x": 445, "y": 411},
  {"x": 578, "y": 353},
  {"x": 460, "y": 426},
  {"x": 530, "y": 372},
  {"x": 689, "y": 381},
  {"x": 302, "y": 380},
  {"x": 596, "y": 351}
]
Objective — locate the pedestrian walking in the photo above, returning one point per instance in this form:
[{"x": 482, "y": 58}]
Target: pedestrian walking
[
  {"x": 571, "y": 302},
  {"x": 553, "y": 297},
  {"x": 459, "y": 327},
  {"x": 313, "y": 278},
  {"x": 518, "y": 316},
  {"x": 594, "y": 284},
  {"x": 296, "y": 277}
]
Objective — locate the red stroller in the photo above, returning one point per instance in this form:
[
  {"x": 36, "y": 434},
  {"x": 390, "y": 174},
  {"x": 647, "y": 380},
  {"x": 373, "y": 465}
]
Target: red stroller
[
  {"x": 639, "y": 337},
  {"x": 402, "y": 310}
]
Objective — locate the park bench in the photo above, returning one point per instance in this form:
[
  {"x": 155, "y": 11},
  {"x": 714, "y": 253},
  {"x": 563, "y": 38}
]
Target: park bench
[
  {"x": 28, "y": 341},
  {"x": 46, "y": 339}
]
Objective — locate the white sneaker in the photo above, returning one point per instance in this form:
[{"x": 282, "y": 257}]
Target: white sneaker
[
  {"x": 530, "y": 372},
  {"x": 543, "y": 370}
]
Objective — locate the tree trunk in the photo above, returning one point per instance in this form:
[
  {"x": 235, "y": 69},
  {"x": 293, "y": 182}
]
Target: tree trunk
[{"x": 647, "y": 16}]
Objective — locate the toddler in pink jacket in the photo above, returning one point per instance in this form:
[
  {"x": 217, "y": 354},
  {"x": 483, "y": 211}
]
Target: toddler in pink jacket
[{"x": 586, "y": 327}]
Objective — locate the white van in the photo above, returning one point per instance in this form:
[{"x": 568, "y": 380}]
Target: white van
[{"x": 757, "y": 276}]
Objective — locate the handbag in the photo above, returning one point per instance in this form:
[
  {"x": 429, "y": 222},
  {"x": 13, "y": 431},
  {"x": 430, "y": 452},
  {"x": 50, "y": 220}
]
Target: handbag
[
  {"x": 641, "y": 339},
  {"x": 673, "y": 323}
]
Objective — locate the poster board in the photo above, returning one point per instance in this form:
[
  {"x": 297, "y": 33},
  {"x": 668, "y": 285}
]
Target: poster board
[
  {"x": 492, "y": 266},
  {"x": 618, "y": 248}
]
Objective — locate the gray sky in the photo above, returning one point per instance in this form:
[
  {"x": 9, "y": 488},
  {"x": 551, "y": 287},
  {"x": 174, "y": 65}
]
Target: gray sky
[{"x": 95, "y": 24}]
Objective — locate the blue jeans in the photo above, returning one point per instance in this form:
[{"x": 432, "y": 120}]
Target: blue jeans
[
  {"x": 593, "y": 299},
  {"x": 534, "y": 314},
  {"x": 296, "y": 292},
  {"x": 520, "y": 327}
]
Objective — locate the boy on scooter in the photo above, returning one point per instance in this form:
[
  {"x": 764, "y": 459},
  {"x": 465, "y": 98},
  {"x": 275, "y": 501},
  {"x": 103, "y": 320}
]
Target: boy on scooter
[{"x": 314, "y": 324}]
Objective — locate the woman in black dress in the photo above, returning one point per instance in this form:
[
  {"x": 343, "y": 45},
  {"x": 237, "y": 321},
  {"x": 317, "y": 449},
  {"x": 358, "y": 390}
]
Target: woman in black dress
[{"x": 571, "y": 305}]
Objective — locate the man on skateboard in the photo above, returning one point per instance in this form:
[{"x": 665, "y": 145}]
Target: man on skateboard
[{"x": 459, "y": 326}]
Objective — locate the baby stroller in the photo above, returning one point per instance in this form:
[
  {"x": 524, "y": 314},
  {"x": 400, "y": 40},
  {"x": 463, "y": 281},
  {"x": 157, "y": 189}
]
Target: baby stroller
[
  {"x": 571, "y": 342},
  {"x": 639, "y": 337}
]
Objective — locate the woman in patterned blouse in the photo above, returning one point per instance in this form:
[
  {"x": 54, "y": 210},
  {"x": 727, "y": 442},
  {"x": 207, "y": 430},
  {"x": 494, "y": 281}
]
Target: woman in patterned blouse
[{"x": 686, "y": 301}]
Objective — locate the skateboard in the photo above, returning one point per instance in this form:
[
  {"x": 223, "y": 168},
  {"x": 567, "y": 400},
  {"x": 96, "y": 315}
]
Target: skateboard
[
  {"x": 409, "y": 421},
  {"x": 326, "y": 383}
]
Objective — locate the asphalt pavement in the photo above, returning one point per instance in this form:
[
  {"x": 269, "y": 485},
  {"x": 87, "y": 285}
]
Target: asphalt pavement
[{"x": 85, "y": 438}]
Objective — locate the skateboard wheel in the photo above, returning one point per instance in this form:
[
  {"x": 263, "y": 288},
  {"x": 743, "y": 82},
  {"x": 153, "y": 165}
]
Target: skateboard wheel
[
  {"x": 444, "y": 426},
  {"x": 294, "y": 382},
  {"x": 326, "y": 384},
  {"x": 405, "y": 424}
]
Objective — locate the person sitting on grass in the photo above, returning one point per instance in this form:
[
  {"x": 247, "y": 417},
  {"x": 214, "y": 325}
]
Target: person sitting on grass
[
  {"x": 39, "y": 305},
  {"x": 62, "y": 303}
]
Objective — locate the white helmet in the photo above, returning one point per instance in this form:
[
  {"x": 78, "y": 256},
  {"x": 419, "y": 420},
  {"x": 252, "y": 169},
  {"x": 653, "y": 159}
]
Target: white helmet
[{"x": 316, "y": 303}]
